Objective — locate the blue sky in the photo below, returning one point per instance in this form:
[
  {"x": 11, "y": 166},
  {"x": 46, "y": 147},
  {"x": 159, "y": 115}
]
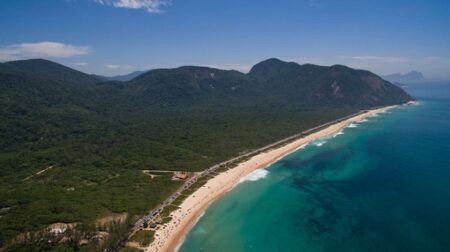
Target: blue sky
[{"x": 119, "y": 36}]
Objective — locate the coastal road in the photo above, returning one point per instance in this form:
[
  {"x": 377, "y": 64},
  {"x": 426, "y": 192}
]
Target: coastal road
[{"x": 153, "y": 214}]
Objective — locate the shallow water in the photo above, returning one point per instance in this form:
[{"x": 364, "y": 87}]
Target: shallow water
[{"x": 381, "y": 185}]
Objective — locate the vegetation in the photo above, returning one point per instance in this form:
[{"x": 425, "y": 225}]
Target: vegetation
[
  {"x": 129, "y": 249},
  {"x": 180, "y": 199},
  {"x": 143, "y": 237},
  {"x": 108, "y": 237},
  {"x": 73, "y": 147}
]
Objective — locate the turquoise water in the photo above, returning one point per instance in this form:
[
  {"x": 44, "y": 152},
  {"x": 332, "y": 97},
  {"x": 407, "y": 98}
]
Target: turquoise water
[{"x": 383, "y": 185}]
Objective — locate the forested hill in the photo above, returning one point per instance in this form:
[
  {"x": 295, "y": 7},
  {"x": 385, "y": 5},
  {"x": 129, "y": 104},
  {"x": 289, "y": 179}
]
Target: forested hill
[
  {"x": 97, "y": 136},
  {"x": 48, "y": 70},
  {"x": 271, "y": 80},
  {"x": 319, "y": 85}
]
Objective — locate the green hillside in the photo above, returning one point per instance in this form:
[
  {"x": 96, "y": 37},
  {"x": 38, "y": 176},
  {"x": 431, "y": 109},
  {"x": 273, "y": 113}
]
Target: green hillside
[{"x": 97, "y": 136}]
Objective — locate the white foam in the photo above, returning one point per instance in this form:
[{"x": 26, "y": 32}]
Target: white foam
[
  {"x": 339, "y": 133},
  {"x": 352, "y": 125},
  {"x": 319, "y": 142},
  {"x": 302, "y": 147},
  {"x": 363, "y": 120},
  {"x": 255, "y": 175}
]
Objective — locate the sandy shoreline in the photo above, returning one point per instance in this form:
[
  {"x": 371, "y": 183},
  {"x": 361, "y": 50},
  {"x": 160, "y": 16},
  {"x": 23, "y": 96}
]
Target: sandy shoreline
[{"x": 170, "y": 235}]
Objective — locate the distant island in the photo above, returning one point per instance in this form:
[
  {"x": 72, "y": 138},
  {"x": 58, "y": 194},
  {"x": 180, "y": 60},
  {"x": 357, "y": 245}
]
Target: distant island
[
  {"x": 413, "y": 76},
  {"x": 84, "y": 158}
]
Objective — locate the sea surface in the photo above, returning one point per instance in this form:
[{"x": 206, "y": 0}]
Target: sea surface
[{"x": 379, "y": 185}]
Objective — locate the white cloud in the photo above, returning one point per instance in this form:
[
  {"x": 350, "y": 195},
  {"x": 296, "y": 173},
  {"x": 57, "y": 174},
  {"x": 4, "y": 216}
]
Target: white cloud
[
  {"x": 112, "y": 66},
  {"x": 44, "y": 49},
  {"x": 152, "y": 6},
  {"x": 80, "y": 63},
  {"x": 127, "y": 67},
  {"x": 116, "y": 66}
]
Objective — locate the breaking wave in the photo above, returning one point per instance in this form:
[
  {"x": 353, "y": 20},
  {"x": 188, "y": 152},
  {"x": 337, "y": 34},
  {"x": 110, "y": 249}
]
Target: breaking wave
[
  {"x": 319, "y": 142},
  {"x": 255, "y": 175},
  {"x": 352, "y": 125},
  {"x": 302, "y": 147},
  {"x": 339, "y": 133}
]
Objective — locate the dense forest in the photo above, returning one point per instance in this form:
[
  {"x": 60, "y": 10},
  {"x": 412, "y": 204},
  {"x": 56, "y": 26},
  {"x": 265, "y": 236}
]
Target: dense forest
[{"x": 73, "y": 145}]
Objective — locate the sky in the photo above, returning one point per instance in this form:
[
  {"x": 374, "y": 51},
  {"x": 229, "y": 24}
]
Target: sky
[{"x": 112, "y": 37}]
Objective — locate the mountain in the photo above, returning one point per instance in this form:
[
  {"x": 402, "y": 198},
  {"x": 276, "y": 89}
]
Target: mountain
[
  {"x": 413, "y": 76},
  {"x": 48, "y": 70},
  {"x": 98, "y": 136},
  {"x": 125, "y": 77},
  {"x": 271, "y": 80},
  {"x": 319, "y": 85},
  {"x": 51, "y": 95}
]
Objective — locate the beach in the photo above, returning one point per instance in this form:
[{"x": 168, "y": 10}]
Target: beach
[{"x": 170, "y": 236}]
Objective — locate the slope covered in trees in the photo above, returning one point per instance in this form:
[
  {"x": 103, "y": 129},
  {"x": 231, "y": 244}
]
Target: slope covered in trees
[{"x": 98, "y": 135}]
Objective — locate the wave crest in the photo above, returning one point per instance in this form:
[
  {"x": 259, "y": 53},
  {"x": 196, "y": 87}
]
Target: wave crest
[
  {"x": 339, "y": 133},
  {"x": 303, "y": 146},
  {"x": 352, "y": 125},
  {"x": 255, "y": 175},
  {"x": 319, "y": 142}
]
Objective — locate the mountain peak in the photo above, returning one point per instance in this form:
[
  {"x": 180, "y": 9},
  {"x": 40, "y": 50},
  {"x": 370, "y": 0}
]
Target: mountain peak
[
  {"x": 269, "y": 79},
  {"x": 416, "y": 74},
  {"x": 271, "y": 62},
  {"x": 271, "y": 66},
  {"x": 47, "y": 69},
  {"x": 33, "y": 64},
  {"x": 412, "y": 76}
]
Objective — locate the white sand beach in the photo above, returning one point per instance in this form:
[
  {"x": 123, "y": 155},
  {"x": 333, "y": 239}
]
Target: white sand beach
[{"x": 170, "y": 235}]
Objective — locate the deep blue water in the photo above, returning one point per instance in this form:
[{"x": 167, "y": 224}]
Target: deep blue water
[{"x": 381, "y": 186}]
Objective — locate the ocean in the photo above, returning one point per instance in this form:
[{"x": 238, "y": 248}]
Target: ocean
[{"x": 379, "y": 185}]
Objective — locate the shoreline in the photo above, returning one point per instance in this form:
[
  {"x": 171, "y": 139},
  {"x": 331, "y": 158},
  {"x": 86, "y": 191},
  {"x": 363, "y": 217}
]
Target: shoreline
[{"x": 170, "y": 236}]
